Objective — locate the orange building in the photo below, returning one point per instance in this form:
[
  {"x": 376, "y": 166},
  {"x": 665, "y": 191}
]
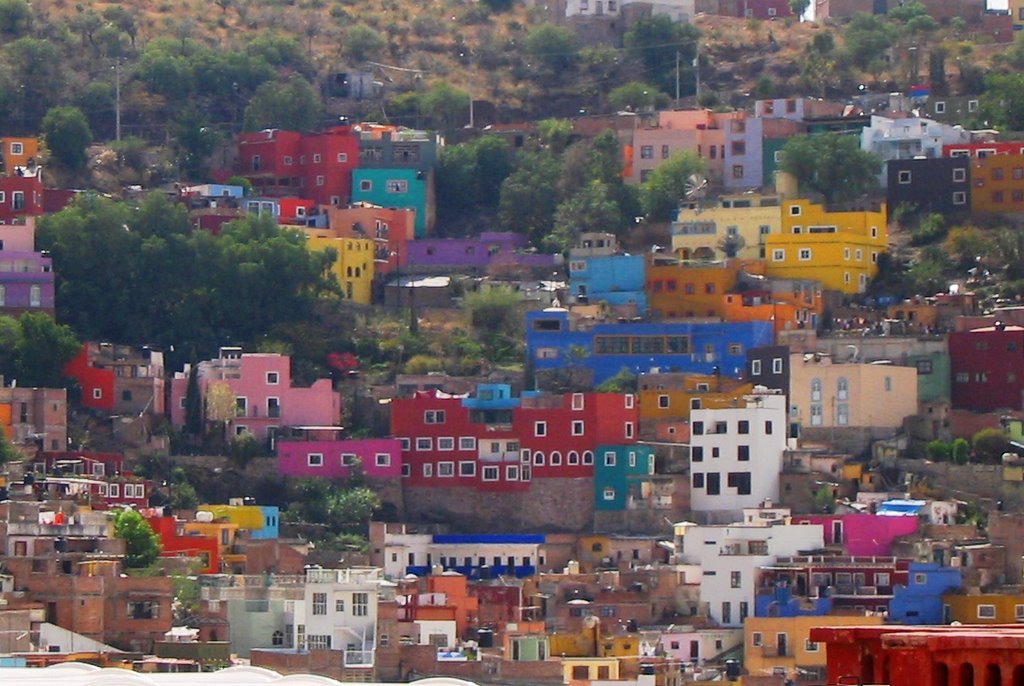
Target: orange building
[
  {"x": 16, "y": 152},
  {"x": 790, "y": 305},
  {"x": 997, "y": 183},
  {"x": 693, "y": 289},
  {"x": 674, "y": 396},
  {"x": 446, "y": 598}
]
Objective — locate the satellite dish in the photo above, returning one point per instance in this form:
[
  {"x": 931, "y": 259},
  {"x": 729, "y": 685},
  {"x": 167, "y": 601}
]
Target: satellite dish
[{"x": 695, "y": 186}]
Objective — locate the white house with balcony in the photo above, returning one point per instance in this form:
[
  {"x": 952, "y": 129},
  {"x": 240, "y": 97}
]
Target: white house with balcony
[
  {"x": 730, "y": 554},
  {"x": 339, "y": 612},
  {"x": 906, "y": 139},
  {"x": 736, "y": 453}
]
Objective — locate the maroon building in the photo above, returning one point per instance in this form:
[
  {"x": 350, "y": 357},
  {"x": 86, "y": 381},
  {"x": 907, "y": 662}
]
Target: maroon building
[{"x": 988, "y": 368}]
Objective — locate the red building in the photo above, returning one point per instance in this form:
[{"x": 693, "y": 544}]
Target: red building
[
  {"x": 176, "y": 544},
  {"x": 21, "y": 196},
  {"x": 988, "y": 368},
  {"x": 978, "y": 150},
  {"x": 496, "y": 442},
  {"x": 287, "y": 163},
  {"x": 123, "y": 379},
  {"x": 924, "y": 656}
]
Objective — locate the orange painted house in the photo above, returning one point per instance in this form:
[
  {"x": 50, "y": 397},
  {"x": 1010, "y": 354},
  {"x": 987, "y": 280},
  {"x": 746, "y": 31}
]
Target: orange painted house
[{"x": 997, "y": 183}]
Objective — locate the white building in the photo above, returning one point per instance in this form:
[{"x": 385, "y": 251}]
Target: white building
[
  {"x": 906, "y": 139},
  {"x": 730, "y": 554},
  {"x": 736, "y": 453},
  {"x": 676, "y": 10},
  {"x": 339, "y": 612}
]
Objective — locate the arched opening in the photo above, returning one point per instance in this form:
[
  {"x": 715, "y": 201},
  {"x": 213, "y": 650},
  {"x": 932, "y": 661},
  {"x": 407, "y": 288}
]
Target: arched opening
[
  {"x": 993, "y": 675},
  {"x": 1018, "y": 675},
  {"x": 967, "y": 674},
  {"x": 940, "y": 674}
]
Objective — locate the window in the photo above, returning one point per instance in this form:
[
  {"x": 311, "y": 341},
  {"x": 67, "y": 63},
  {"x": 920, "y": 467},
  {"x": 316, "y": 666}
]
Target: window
[
  {"x": 972, "y": 105},
  {"x": 663, "y": 402},
  {"x": 406, "y": 470},
  {"x": 97, "y": 393},
  {"x": 804, "y": 254},
  {"x": 664, "y": 149},
  {"x": 144, "y": 609},
  {"x": 882, "y": 579},
  {"x": 743, "y": 427},
  {"x": 348, "y": 459},
  {"x": 986, "y": 611},
  {"x": 446, "y": 443},
  {"x": 556, "y": 459},
  {"x": 735, "y": 579},
  {"x": 628, "y": 430},
  {"x": 963, "y": 377},
  {"x": 609, "y": 459},
  {"x": 743, "y": 453},
  {"x": 738, "y": 147},
  {"x": 339, "y": 603},
  {"x": 768, "y": 428},
  {"x": 647, "y": 152},
  {"x": 491, "y": 473},
  {"x": 428, "y": 470},
  {"x": 343, "y": 157},
  {"x": 434, "y": 417},
  {"x": 17, "y": 149},
  {"x": 697, "y": 453},
  {"x": 366, "y": 185},
  {"x": 315, "y": 459},
  {"x": 577, "y": 428},
  {"x": 778, "y": 255},
  {"x": 446, "y": 469},
  {"x": 698, "y": 480},
  {"x": 272, "y": 378},
  {"x": 740, "y": 481},
  {"x": 757, "y": 639},
  {"x": 777, "y": 365},
  {"x": 319, "y": 603},
  {"x": 467, "y": 469},
  {"x": 842, "y": 388},
  {"x": 287, "y": 161},
  {"x": 577, "y": 401},
  {"x": 512, "y": 472},
  {"x": 540, "y": 429},
  {"x": 1018, "y": 612},
  {"x": 714, "y": 483},
  {"x": 888, "y": 383},
  {"x": 816, "y": 415},
  {"x": 737, "y": 171},
  {"x": 959, "y": 175},
  {"x": 423, "y": 444},
  {"x": 319, "y": 182},
  {"x": 810, "y": 646},
  {"x": 572, "y": 458},
  {"x": 404, "y": 443},
  {"x": 257, "y": 162},
  {"x": 318, "y": 642},
  {"x": 816, "y": 390},
  {"x": 794, "y": 210},
  {"x": 382, "y": 459},
  {"x": 588, "y": 457},
  {"x": 959, "y": 198},
  {"x": 397, "y": 186},
  {"x": 360, "y": 604},
  {"x": 755, "y": 367}
]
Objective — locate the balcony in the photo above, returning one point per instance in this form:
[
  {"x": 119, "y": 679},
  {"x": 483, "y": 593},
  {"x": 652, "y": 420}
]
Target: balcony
[{"x": 359, "y": 658}]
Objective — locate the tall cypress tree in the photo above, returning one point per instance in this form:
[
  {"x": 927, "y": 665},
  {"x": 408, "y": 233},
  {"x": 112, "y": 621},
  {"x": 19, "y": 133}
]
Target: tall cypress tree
[{"x": 193, "y": 403}]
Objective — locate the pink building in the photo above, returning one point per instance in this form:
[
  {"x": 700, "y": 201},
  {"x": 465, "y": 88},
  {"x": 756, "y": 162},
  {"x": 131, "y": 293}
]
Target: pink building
[
  {"x": 333, "y": 459},
  {"x": 862, "y": 534},
  {"x": 265, "y": 400}
]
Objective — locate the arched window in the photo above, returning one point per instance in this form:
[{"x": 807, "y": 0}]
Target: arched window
[
  {"x": 556, "y": 458},
  {"x": 538, "y": 458},
  {"x": 816, "y": 390},
  {"x": 573, "y": 457},
  {"x": 588, "y": 457},
  {"x": 843, "y": 388}
]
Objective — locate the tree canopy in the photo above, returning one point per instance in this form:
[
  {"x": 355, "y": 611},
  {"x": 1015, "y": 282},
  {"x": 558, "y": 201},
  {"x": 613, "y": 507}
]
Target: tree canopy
[
  {"x": 67, "y": 135},
  {"x": 831, "y": 164},
  {"x": 142, "y": 545},
  {"x": 666, "y": 187}
]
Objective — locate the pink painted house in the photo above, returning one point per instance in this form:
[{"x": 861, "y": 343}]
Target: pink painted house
[
  {"x": 265, "y": 399},
  {"x": 862, "y": 534},
  {"x": 380, "y": 458}
]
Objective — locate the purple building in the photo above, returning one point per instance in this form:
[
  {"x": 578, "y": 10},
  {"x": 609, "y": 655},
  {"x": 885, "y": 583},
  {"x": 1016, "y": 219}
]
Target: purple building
[
  {"x": 26, "y": 276},
  {"x": 380, "y": 458},
  {"x": 479, "y": 253}
]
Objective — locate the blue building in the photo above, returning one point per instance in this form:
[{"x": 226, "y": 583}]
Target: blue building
[
  {"x": 403, "y": 188},
  {"x": 483, "y": 556},
  {"x": 778, "y": 601},
  {"x": 616, "y": 468},
  {"x": 615, "y": 279},
  {"x": 271, "y": 523},
  {"x": 920, "y": 601},
  {"x": 605, "y": 349}
]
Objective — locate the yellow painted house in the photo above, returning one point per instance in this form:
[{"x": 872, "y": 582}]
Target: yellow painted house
[
  {"x": 353, "y": 267},
  {"x": 774, "y": 644},
  {"x": 838, "y": 248},
  {"x": 985, "y": 608},
  {"x": 589, "y": 669},
  {"x": 246, "y": 517},
  {"x": 675, "y": 399},
  {"x": 745, "y": 221}
]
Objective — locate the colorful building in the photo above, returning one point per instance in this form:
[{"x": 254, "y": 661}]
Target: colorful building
[
  {"x": 26, "y": 276},
  {"x": 476, "y": 254},
  {"x": 862, "y": 533},
  {"x": 18, "y": 152},
  {"x": 675, "y": 396},
  {"x": 552, "y": 343},
  {"x": 984, "y": 608},
  {"x": 335, "y": 459},
  {"x": 698, "y": 131},
  {"x": 401, "y": 188},
  {"x": 390, "y": 228},
  {"x": 120, "y": 379},
  {"x": 258, "y": 389},
  {"x": 997, "y": 183},
  {"x": 838, "y": 248},
  {"x": 21, "y": 195},
  {"x": 619, "y": 472},
  {"x": 782, "y": 645},
  {"x": 920, "y": 601},
  {"x": 739, "y": 223},
  {"x": 354, "y": 263},
  {"x": 930, "y": 184},
  {"x": 691, "y": 289},
  {"x": 988, "y": 368},
  {"x": 175, "y": 542}
]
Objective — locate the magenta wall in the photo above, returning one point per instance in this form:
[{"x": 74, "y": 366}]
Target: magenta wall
[
  {"x": 864, "y": 534},
  {"x": 293, "y": 458}
]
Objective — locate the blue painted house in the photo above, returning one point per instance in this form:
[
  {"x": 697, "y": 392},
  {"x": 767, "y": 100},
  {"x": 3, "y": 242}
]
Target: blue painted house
[
  {"x": 615, "y": 279},
  {"x": 616, "y": 467},
  {"x": 402, "y": 188},
  {"x": 552, "y": 342},
  {"x": 920, "y": 601},
  {"x": 778, "y": 601}
]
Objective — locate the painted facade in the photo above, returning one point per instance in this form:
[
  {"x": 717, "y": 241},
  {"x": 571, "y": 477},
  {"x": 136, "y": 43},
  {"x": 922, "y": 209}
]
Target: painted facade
[
  {"x": 490, "y": 248},
  {"x": 354, "y": 263},
  {"x": 988, "y": 368},
  {"x": 398, "y": 188},
  {"x": 740, "y": 222},
  {"x": 618, "y": 472},
  {"x": 931, "y": 184},
  {"x": 920, "y": 601},
  {"x": 335, "y": 459},
  {"x": 782, "y": 644},
  {"x": 862, "y": 534},
  {"x": 119, "y": 379}
]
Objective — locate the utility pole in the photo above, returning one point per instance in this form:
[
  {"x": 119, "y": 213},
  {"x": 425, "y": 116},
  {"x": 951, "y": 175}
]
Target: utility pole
[
  {"x": 117, "y": 99},
  {"x": 677, "y": 77},
  {"x": 696, "y": 71}
]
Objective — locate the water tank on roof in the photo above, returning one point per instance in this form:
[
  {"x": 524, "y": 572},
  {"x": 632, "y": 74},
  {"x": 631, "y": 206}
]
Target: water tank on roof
[{"x": 204, "y": 516}]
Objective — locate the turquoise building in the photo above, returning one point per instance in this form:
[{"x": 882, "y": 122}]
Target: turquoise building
[
  {"x": 401, "y": 188},
  {"x": 616, "y": 467}
]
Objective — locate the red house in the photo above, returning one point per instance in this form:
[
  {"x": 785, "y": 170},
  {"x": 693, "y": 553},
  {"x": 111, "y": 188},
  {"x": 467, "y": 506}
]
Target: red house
[
  {"x": 988, "y": 368},
  {"x": 287, "y": 163},
  {"x": 176, "y": 544},
  {"x": 21, "y": 196},
  {"x": 978, "y": 150},
  {"x": 496, "y": 442}
]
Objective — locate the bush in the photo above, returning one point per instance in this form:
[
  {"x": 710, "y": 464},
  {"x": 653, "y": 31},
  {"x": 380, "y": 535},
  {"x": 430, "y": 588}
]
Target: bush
[
  {"x": 989, "y": 445},
  {"x": 940, "y": 451},
  {"x": 961, "y": 450}
]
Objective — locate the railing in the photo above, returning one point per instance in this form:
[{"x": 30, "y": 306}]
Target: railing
[{"x": 359, "y": 658}]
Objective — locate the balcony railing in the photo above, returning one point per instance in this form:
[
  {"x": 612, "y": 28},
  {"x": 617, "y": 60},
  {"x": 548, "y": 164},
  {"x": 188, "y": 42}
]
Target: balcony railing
[{"x": 359, "y": 658}]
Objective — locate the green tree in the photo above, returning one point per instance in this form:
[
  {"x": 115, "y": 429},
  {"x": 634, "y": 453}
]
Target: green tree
[
  {"x": 193, "y": 403},
  {"x": 555, "y": 134},
  {"x": 798, "y": 7},
  {"x": 37, "y": 76},
  {"x": 444, "y": 104},
  {"x": 636, "y": 96},
  {"x": 8, "y": 453},
  {"x": 961, "y": 451},
  {"x": 15, "y": 17},
  {"x": 195, "y": 141},
  {"x": 527, "y": 204},
  {"x": 554, "y": 47},
  {"x": 831, "y": 164},
  {"x": 661, "y": 193},
  {"x": 67, "y": 135},
  {"x": 350, "y": 510},
  {"x": 590, "y": 209},
  {"x": 1002, "y": 103},
  {"x": 293, "y": 105},
  {"x": 469, "y": 175},
  {"x": 657, "y": 41},
  {"x": 989, "y": 445},
  {"x": 362, "y": 43},
  {"x": 183, "y": 496},
  {"x": 142, "y": 545},
  {"x": 940, "y": 451},
  {"x": 43, "y": 349},
  {"x": 866, "y": 37}
]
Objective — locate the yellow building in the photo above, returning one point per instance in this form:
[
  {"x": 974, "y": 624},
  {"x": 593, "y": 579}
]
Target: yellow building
[
  {"x": 673, "y": 396},
  {"x": 589, "y": 668},
  {"x": 987, "y": 608},
  {"x": 246, "y": 517},
  {"x": 16, "y": 152},
  {"x": 838, "y": 248},
  {"x": 740, "y": 221},
  {"x": 693, "y": 289},
  {"x": 353, "y": 267},
  {"x": 773, "y": 644}
]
